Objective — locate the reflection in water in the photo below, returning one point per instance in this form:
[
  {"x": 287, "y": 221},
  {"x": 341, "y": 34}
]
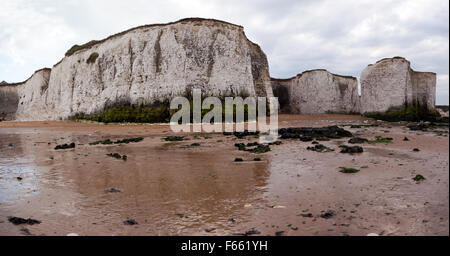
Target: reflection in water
[{"x": 160, "y": 184}]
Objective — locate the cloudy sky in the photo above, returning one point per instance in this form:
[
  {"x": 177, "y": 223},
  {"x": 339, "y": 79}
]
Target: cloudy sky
[{"x": 297, "y": 35}]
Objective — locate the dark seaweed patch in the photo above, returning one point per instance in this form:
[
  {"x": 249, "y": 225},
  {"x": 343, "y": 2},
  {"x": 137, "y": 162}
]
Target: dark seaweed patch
[
  {"x": 318, "y": 133},
  {"x": 65, "y": 146}
]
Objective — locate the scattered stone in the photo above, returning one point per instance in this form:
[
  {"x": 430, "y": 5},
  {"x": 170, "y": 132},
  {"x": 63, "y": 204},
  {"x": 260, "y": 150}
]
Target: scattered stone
[
  {"x": 174, "y": 138},
  {"x": 65, "y": 146},
  {"x": 240, "y": 146},
  {"x": 26, "y": 231},
  {"x": 124, "y": 141},
  {"x": 19, "y": 221},
  {"x": 279, "y": 233},
  {"x": 276, "y": 143},
  {"x": 348, "y": 170},
  {"x": 351, "y": 150},
  {"x": 320, "y": 148},
  {"x": 112, "y": 190},
  {"x": 358, "y": 140},
  {"x": 130, "y": 222},
  {"x": 118, "y": 156},
  {"x": 252, "y": 232},
  {"x": 245, "y": 133},
  {"x": 419, "y": 178},
  {"x": 103, "y": 142},
  {"x": 258, "y": 148},
  {"x": 127, "y": 141},
  {"x": 306, "y": 215},
  {"x": 328, "y": 214},
  {"x": 181, "y": 215}
]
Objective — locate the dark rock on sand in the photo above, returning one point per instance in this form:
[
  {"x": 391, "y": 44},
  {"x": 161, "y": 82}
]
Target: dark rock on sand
[
  {"x": 112, "y": 190},
  {"x": 358, "y": 140},
  {"x": 351, "y": 150},
  {"x": 19, "y": 221},
  {"x": 328, "y": 214},
  {"x": 65, "y": 146},
  {"x": 130, "y": 222},
  {"x": 320, "y": 148},
  {"x": 330, "y": 132}
]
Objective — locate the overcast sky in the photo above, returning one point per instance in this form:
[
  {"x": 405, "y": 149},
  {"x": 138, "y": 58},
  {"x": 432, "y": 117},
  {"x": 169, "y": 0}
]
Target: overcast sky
[{"x": 297, "y": 35}]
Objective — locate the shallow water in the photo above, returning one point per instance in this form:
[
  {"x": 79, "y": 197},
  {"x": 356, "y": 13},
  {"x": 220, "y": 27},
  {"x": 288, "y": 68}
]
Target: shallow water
[{"x": 159, "y": 182}]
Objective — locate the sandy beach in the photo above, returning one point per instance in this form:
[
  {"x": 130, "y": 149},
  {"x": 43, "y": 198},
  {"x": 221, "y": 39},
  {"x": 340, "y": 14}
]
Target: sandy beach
[{"x": 195, "y": 187}]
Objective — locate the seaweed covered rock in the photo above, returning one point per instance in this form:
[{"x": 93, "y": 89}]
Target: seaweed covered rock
[
  {"x": 254, "y": 147},
  {"x": 318, "y": 133},
  {"x": 320, "y": 148},
  {"x": 19, "y": 221},
  {"x": 351, "y": 150},
  {"x": 65, "y": 146},
  {"x": 358, "y": 140}
]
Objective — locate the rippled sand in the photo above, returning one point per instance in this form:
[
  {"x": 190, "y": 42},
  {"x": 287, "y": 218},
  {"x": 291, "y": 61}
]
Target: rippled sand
[{"x": 173, "y": 188}]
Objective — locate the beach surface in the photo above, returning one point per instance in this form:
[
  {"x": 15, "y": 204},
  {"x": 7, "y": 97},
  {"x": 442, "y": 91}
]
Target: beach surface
[{"x": 195, "y": 187}]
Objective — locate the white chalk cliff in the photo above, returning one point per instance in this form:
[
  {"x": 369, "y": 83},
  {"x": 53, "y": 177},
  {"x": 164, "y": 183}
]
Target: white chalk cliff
[
  {"x": 317, "y": 92},
  {"x": 148, "y": 65},
  {"x": 392, "y": 84},
  {"x": 152, "y": 64}
]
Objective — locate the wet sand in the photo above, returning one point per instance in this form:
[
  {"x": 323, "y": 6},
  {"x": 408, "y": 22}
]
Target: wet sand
[{"x": 173, "y": 188}]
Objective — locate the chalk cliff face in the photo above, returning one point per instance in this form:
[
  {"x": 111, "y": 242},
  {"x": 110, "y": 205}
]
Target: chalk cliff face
[
  {"x": 8, "y": 101},
  {"x": 317, "y": 92},
  {"x": 19, "y": 101},
  {"x": 149, "y": 65},
  {"x": 152, "y": 64},
  {"x": 392, "y": 84}
]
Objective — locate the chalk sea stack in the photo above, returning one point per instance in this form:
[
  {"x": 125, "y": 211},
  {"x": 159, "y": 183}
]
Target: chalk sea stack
[
  {"x": 149, "y": 65},
  {"x": 392, "y": 84}
]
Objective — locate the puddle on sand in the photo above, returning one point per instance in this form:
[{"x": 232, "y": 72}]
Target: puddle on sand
[{"x": 168, "y": 192}]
